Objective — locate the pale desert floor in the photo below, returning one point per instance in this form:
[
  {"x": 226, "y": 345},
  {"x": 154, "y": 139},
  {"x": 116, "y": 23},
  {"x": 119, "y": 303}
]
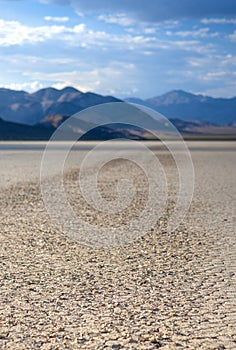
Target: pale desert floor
[{"x": 165, "y": 290}]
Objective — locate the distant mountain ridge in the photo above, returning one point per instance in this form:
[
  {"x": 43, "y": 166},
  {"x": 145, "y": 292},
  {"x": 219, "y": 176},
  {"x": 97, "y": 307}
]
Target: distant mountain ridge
[
  {"x": 30, "y": 109},
  {"x": 36, "y": 115},
  {"x": 186, "y": 106}
]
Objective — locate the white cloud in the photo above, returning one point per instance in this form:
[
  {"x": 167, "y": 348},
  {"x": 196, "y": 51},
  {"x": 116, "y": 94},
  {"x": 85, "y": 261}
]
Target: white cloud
[
  {"x": 134, "y": 25},
  {"x": 149, "y": 30},
  {"x": 16, "y": 33},
  {"x": 228, "y": 60},
  {"x": 169, "y": 23},
  {"x": 120, "y": 19},
  {"x": 56, "y": 19},
  {"x": 110, "y": 41},
  {"x": 22, "y": 62},
  {"x": 29, "y": 86},
  {"x": 200, "y": 33},
  {"x": 217, "y": 60},
  {"x": 196, "y": 62},
  {"x": 147, "y": 53},
  {"x": 102, "y": 79},
  {"x": 79, "y": 28},
  {"x": 226, "y": 91},
  {"x": 218, "y": 21},
  {"x": 214, "y": 75},
  {"x": 193, "y": 46},
  {"x": 232, "y": 36}
]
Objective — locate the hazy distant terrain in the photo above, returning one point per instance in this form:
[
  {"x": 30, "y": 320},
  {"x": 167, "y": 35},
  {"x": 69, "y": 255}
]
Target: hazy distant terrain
[
  {"x": 30, "y": 109},
  {"x": 186, "y": 106},
  {"x": 35, "y": 116}
]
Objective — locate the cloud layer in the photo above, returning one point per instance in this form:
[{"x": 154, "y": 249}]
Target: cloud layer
[
  {"x": 119, "y": 47},
  {"x": 158, "y": 10}
]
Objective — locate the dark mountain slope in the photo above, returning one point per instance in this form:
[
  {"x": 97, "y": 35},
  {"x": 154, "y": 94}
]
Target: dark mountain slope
[{"x": 14, "y": 131}]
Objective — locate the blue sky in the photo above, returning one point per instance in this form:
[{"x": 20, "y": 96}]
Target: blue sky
[{"x": 123, "y": 48}]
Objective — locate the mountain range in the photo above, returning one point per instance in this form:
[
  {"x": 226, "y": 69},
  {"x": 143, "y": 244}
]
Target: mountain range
[
  {"x": 30, "y": 109},
  {"x": 36, "y": 115},
  {"x": 183, "y": 105}
]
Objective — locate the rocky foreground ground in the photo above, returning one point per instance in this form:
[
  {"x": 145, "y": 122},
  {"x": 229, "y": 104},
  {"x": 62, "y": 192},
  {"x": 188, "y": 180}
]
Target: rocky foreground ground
[{"x": 167, "y": 291}]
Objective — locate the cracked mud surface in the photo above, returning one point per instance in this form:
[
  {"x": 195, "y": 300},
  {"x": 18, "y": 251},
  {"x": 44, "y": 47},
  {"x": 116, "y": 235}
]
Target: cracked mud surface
[{"x": 167, "y": 291}]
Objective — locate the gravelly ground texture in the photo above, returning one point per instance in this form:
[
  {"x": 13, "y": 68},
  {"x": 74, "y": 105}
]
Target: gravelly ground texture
[{"x": 167, "y": 291}]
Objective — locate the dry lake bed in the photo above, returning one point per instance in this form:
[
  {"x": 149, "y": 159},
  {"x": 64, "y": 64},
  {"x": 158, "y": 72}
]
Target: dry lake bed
[{"x": 164, "y": 290}]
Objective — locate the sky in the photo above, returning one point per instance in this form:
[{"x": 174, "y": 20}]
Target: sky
[{"x": 124, "y": 48}]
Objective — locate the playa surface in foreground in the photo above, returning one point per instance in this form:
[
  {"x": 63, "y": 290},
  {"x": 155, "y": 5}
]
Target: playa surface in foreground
[{"x": 164, "y": 290}]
